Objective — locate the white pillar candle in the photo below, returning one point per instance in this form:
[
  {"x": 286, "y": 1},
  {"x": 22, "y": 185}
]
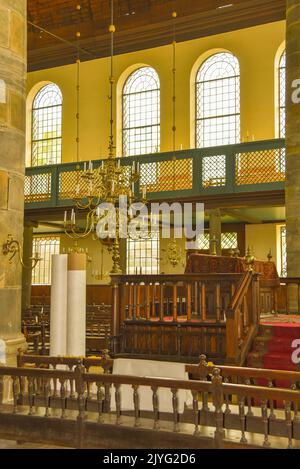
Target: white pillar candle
[
  {"x": 58, "y": 308},
  {"x": 76, "y": 294}
]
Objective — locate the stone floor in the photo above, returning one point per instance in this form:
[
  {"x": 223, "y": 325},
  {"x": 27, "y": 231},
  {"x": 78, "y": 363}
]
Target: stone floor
[{"x": 9, "y": 444}]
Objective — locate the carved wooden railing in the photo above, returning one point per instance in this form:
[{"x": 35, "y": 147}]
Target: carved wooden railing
[
  {"x": 242, "y": 319},
  {"x": 94, "y": 412},
  {"x": 282, "y": 295},
  {"x": 180, "y": 316}
]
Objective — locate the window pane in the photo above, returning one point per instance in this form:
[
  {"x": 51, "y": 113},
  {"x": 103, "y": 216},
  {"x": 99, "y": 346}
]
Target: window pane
[
  {"x": 282, "y": 94},
  {"x": 218, "y": 101},
  {"x": 141, "y": 113},
  {"x": 45, "y": 247},
  {"x": 143, "y": 255},
  {"x": 47, "y": 126}
]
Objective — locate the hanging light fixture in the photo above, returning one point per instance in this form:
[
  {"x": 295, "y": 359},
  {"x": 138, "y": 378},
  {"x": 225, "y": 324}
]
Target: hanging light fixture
[{"x": 106, "y": 183}]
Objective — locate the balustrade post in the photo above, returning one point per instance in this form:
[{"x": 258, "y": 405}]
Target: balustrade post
[
  {"x": 218, "y": 401},
  {"x": 231, "y": 337},
  {"x": 118, "y": 292},
  {"x": 80, "y": 389}
]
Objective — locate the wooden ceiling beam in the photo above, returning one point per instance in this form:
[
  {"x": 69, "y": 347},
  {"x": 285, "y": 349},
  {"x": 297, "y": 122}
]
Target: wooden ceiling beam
[{"x": 146, "y": 28}]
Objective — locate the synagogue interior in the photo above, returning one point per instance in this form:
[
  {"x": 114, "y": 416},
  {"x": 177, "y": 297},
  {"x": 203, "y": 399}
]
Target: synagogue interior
[{"x": 149, "y": 224}]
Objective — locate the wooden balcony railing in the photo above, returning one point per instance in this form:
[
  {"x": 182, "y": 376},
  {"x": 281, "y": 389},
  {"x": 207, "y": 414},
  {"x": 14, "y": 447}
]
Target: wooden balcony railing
[
  {"x": 245, "y": 167},
  {"x": 101, "y": 410},
  {"x": 178, "y": 317}
]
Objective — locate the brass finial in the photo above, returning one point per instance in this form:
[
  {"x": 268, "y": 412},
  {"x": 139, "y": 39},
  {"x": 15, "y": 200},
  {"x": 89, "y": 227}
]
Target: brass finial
[
  {"x": 174, "y": 14},
  {"x": 78, "y": 7},
  {"x": 78, "y": 34},
  {"x": 112, "y": 28},
  {"x": 249, "y": 259}
]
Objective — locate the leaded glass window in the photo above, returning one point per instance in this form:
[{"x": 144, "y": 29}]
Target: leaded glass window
[
  {"x": 141, "y": 113},
  {"x": 218, "y": 101},
  {"x": 45, "y": 246},
  {"x": 282, "y": 94},
  {"x": 47, "y": 126},
  {"x": 143, "y": 255}
]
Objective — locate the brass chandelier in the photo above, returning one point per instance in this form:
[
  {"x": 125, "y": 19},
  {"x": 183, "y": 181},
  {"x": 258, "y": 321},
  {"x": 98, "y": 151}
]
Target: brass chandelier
[{"x": 104, "y": 184}]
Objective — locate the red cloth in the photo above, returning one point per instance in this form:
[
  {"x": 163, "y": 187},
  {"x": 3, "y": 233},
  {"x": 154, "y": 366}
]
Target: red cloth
[{"x": 204, "y": 264}]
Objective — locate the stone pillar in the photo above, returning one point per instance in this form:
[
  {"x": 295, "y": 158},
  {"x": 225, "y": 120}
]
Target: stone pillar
[
  {"x": 215, "y": 231},
  {"x": 292, "y": 192},
  {"x": 27, "y": 273},
  {"x": 12, "y": 161}
]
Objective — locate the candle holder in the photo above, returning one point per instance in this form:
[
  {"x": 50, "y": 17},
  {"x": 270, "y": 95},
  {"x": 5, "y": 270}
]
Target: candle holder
[{"x": 12, "y": 248}]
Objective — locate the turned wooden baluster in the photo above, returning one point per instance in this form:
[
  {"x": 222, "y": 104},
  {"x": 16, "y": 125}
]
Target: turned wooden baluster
[
  {"x": 134, "y": 306},
  {"x": 203, "y": 377},
  {"x": 130, "y": 305},
  {"x": 138, "y": 302},
  {"x": 189, "y": 301},
  {"x": 196, "y": 412},
  {"x": 88, "y": 386},
  {"x": 161, "y": 303},
  {"x": 62, "y": 382},
  {"x": 296, "y": 407},
  {"x": 217, "y": 397},
  {"x": 30, "y": 394},
  {"x": 15, "y": 393},
  {"x": 155, "y": 407},
  {"x": 248, "y": 400},
  {"x": 118, "y": 403},
  {"x": 148, "y": 304},
  {"x": 152, "y": 302},
  {"x": 55, "y": 384},
  {"x": 175, "y": 409},
  {"x": 227, "y": 400},
  {"x": 107, "y": 397},
  {"x": 174, "y": 303},
  {"x": 271, "y": 402},
  {"x": 218, "y": 301},
  {"x": 288, "y": 422},
  {"x": 100, "y": 397},
  {"x": 72, "y": 385},
  {"x": 203, "y": 302},
  {"x": 136, "y": 403},
  {"x": 264, "y": 414},
  {"x": 22, "y": 389},
  {"x": 47, "y": 393},
  {"x": 242, "y": 418}
]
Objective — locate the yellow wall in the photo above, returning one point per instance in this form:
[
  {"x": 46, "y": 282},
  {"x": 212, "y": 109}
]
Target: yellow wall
[
  {"x": 255, "y": 48},
  {"x": 261, "y": 238}
]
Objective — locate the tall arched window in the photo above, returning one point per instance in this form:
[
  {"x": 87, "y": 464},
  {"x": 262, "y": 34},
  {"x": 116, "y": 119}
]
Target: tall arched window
[
  {"x": 141, "y": 113},
  {"x": 218, "y": 101},
  {"x": 46, "y": 126},
  {"x": 282, "y": 94}
]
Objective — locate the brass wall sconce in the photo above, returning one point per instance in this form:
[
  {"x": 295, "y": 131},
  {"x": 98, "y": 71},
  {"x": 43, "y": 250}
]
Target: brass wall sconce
[{"x": 12, "y": 248}]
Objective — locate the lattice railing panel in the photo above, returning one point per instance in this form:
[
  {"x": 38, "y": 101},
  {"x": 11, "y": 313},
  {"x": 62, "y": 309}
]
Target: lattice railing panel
[
  {"x": 214, "y": 171},
  {"x": 259, "y": 167},
  {"x": 72, "y": 183},
  {"x": 37, "y": 188},
  {"x": 162, "y": 176}
]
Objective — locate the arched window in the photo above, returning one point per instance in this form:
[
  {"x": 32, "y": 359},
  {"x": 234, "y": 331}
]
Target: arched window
[
  {"x": 282, "y": 94},
  {"x": 218, "y": 101},
  {"x": 141, "y": 113},
  {"x": 46, "y": 126}
]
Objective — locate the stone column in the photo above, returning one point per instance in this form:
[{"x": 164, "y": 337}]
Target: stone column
[
  {"x": 27, "y": 273},
  {"x": 215, "y": 230},
  {"x": 13, "y": 59},
  {"x": 292, "y": 193}
]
